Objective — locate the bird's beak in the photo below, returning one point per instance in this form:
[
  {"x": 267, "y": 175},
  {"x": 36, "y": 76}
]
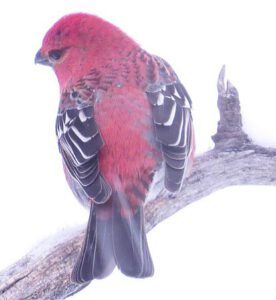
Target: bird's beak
[{"x": 41, "y": 59}]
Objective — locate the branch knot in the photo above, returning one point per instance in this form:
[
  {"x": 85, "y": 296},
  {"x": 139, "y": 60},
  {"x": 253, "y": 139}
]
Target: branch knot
[{"x": 230, "y": 134}]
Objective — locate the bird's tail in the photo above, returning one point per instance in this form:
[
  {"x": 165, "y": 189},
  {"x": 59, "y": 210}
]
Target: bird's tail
[
  {"x": 130, "y": 245},
  {"x": 96, "y": 259},
  {"x": 115, "y": 235}
]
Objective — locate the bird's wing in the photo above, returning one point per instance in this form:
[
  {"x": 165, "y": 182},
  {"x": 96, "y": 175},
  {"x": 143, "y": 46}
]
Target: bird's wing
[
  {"x": 80, "y": 142},
  {"x": 171, "y": 112}
]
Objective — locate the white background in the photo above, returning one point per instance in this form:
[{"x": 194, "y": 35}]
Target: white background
[{"x": 222, "y": 247}]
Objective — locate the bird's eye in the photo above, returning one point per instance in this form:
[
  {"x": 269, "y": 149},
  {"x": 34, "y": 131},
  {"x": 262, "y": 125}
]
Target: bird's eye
[{"x": 55, "y": 54}]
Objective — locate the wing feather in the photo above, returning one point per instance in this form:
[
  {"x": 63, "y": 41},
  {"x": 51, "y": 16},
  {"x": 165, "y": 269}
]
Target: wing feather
[
  {"x": 80, "y": 142},
  {"x": 171, "y": 112}
]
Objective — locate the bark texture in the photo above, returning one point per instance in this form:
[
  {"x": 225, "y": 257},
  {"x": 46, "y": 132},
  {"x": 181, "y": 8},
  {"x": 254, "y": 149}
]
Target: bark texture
[{"x": 44, "y": 273}]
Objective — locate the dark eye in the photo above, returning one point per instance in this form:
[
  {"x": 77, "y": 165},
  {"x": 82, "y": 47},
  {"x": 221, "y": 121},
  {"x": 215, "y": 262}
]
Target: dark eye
[{"x": 56, "y": 54}]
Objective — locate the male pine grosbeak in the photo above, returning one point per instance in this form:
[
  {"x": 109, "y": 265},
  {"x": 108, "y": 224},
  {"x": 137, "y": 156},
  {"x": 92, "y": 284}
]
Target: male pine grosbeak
[{"x": 124, "y": 119}]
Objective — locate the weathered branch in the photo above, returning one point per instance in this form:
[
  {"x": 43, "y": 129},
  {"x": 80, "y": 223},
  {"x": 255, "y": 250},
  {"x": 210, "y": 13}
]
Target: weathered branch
[{"x": 44, "y": 273}]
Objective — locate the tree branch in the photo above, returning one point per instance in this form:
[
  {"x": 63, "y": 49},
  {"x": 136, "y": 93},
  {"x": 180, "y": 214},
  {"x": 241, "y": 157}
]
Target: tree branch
[{"x": 44, "y": 273}]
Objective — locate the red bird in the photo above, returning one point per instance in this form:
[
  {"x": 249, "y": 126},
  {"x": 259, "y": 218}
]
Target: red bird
[{"x": 125, "y": 133}]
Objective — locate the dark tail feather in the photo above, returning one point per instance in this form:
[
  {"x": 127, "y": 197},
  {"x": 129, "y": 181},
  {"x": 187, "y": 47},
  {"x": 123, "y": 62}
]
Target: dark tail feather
[
  {"x": 131, "y": 250},
  {"x": 96, "y": 258}
]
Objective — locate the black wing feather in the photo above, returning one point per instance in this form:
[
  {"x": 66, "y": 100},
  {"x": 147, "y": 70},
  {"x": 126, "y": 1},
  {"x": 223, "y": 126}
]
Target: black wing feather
[
  {"x": 80, "y": 142},
  {"x": 171, "y": 112}
]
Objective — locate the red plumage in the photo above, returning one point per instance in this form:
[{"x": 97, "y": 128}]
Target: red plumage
[
  {"x": 123, "y": 117},
  {"x": 78, "y": 32}
]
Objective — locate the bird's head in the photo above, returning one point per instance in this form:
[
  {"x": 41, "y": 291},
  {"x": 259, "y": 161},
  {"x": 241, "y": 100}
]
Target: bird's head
[{"x": 79, "y": 42}]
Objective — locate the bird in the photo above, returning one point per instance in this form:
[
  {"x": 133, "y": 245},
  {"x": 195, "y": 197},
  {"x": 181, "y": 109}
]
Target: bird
[{"x": 125, "y": 134}]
